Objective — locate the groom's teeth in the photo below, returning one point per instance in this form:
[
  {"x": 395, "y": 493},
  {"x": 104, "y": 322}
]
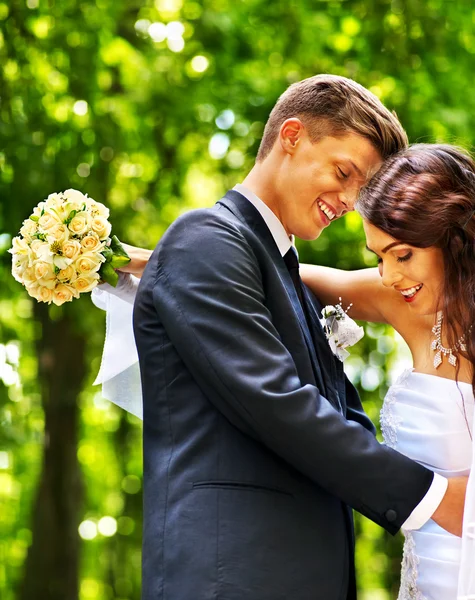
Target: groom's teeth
[
  {"x": 326, "y": 210},
  {"x": 411, "y": 291}
]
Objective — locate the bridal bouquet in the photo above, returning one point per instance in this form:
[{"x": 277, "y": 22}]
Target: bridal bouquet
[{"x": 64, "y": 248}]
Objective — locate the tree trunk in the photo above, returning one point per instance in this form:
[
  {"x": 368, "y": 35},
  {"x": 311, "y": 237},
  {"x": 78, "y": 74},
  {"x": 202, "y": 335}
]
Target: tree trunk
[{"x": 51, "y": 568}]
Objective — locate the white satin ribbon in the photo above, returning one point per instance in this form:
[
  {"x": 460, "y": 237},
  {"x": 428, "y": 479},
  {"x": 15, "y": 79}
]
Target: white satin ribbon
[{"x": 119, "y": 372}]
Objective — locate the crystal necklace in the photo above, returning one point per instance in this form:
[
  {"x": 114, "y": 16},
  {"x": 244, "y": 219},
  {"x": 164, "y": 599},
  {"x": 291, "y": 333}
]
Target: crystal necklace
[{"x": 441, "y": 350}]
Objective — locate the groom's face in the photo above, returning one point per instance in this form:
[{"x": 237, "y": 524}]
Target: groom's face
[{"x": 319, "y": 182}]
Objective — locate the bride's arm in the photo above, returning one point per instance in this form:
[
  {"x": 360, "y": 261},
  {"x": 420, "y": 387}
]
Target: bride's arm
[
  {"x": 129, "y": 276},
  {"x": 371, "y": 300}
]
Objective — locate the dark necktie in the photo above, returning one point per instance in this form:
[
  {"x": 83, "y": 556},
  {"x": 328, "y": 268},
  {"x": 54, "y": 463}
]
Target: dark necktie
[{"x": 292, "y": 262}]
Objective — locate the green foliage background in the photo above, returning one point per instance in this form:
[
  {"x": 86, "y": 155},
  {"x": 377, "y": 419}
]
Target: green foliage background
[{"x": 102, "y": 97}]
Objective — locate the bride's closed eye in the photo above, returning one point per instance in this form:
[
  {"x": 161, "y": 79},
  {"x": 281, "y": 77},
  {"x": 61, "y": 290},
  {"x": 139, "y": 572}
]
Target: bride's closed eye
[{"x": 404, "y": 258}]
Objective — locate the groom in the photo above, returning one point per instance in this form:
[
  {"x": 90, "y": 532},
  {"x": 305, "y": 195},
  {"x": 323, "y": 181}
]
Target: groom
[{"x": 256, "y": 446}]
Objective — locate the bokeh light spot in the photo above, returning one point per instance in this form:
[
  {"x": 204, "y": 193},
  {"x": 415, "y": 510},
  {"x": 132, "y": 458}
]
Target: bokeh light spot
[
  {"x": 80, "y": 108},
  {"x": 87, "y": 530},
  {"x": 199, "y": 63},
  {"x": 107, "y": 526}
]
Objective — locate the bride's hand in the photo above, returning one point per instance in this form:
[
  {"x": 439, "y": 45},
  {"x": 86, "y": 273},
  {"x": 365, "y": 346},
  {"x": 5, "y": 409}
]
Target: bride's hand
[{"x": 138, "y": 260}]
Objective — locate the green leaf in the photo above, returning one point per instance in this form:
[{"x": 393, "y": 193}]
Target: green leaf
[
  {"x": 70, "y": 217},
  {"x": 108, "y": 254},
  {"x": 119, "y": 261},
  {"x": 118, "y": 249},
  {"x": 34, "y": 218},
  {"x": 108, "y": 274}
]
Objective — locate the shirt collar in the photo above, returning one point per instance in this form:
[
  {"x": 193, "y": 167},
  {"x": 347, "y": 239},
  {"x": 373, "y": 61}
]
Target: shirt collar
[{"x": 276, "y": 228}]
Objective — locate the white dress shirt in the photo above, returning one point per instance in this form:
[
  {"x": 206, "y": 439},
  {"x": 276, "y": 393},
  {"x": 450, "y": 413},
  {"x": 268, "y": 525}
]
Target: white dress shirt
[{"x": 429, "y": 504}]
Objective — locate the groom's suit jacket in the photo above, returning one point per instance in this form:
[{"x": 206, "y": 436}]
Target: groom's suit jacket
[{"x": 255, "y": 442}]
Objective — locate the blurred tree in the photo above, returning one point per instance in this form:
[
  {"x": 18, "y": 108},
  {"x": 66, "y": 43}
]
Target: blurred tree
[{"x": 156, "y": 107}]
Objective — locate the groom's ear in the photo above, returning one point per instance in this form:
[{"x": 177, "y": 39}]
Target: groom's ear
[{"x": 290, "y": 134}]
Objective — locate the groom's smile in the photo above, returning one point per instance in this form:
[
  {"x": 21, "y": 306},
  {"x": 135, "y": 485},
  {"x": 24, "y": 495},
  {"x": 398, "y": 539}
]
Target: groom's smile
[{"x": 319, "y": 181}]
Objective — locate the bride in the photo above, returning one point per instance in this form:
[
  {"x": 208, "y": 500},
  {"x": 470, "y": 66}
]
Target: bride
[{"x": 419, "y": 220}]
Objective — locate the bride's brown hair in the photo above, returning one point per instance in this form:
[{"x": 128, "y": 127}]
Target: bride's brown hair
[{"x": 425, "y": 196}]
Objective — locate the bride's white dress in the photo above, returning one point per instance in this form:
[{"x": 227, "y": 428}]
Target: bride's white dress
[{"x": 429, "y": 419}]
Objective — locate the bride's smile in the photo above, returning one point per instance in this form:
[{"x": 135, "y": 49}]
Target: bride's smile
[{"x": 414, "y": 273}]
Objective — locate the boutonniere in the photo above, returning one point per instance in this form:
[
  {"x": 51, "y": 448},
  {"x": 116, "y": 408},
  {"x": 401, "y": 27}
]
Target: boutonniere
[{"x": 340, "y": 329}]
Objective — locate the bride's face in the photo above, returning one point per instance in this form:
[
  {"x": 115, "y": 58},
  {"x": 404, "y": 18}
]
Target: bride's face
[{"x": 415, "y": 273}]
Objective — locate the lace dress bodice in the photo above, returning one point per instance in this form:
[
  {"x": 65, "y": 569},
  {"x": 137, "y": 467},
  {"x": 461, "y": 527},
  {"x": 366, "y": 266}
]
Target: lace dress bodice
[{"x": 429, "y": 419}]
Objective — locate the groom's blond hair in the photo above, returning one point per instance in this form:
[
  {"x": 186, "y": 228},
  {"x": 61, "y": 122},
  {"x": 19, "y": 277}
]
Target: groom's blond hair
[{"x": 333, "y": 105}]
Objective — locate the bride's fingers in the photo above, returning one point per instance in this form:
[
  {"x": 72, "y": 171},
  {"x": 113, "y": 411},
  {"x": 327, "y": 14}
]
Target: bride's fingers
[{"x": 138, "y": 259}]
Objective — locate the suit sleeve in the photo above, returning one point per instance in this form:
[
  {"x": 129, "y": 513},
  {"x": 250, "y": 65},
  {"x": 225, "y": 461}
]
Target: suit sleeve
[{"x": 209, "y": 295}]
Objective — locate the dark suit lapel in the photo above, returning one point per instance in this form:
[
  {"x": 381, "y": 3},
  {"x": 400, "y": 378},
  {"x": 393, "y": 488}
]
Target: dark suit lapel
[
  {"x": 334, "y": 368},
  {"x": 245, "y": 211}
]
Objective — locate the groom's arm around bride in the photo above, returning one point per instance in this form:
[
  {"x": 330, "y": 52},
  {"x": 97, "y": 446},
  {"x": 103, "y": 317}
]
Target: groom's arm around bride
[{"x": 255, "y": 443}]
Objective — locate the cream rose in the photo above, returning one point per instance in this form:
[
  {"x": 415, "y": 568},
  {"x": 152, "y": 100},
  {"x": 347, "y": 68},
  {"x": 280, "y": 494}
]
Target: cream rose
[
  {"x": 44, "y": 274},
  {"x": 48, "y": 221},
  {"x": 43, "y": 294},
  {"x": 80, "y": 223},
  {"x": 71, "y": 249},
  {"x": 67, "y": 275},
  {"x": 89, "y": 263},
  {"x": 64, "y": 293},
  {"x": 92, "y": 243},
  {"x": 28, "y": 229},
  {"x": 86, "y": 283},
  {"x": 43, "y": 269},
  {"x": 60, "y": 234},
  {"x": 33, "y": 290},
  {"x": 101, "y": 226},
  {"x": 29, "y": 278}
]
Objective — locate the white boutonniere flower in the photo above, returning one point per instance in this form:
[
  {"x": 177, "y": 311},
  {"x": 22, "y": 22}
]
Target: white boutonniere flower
[{"x": 340, "y": 329}]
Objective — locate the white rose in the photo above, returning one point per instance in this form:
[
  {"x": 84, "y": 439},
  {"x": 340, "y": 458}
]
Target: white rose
[
  {"x": 101, "y": 226},
  {"x": 48, "y": 221},
  {"x": 98, "y": 209},
  {"x": 92, "y": 243},
  {"x": 19, "y": 246},
  {"x": 18, "y": 268},
  {"x": 64, "y": 209},
  {"x": 61, "y": 262},
  {"x": 75, "y": 196},
  {"x": 28, "y": 229},
  {"x": 80, "y": 223},
  {"x": 60, "y": 234},
  {"x": 71, "y": 249},
  {"x": 85, "y": 283},
  {"x": 42, "y": 251},
  {"x": 39, "y": 209},
  {"x": 89, "y": 262},
  {"x": 64, "y": 293},
  {"x": 67, "y": 275},
  {"x": 53, "y": 201}
]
